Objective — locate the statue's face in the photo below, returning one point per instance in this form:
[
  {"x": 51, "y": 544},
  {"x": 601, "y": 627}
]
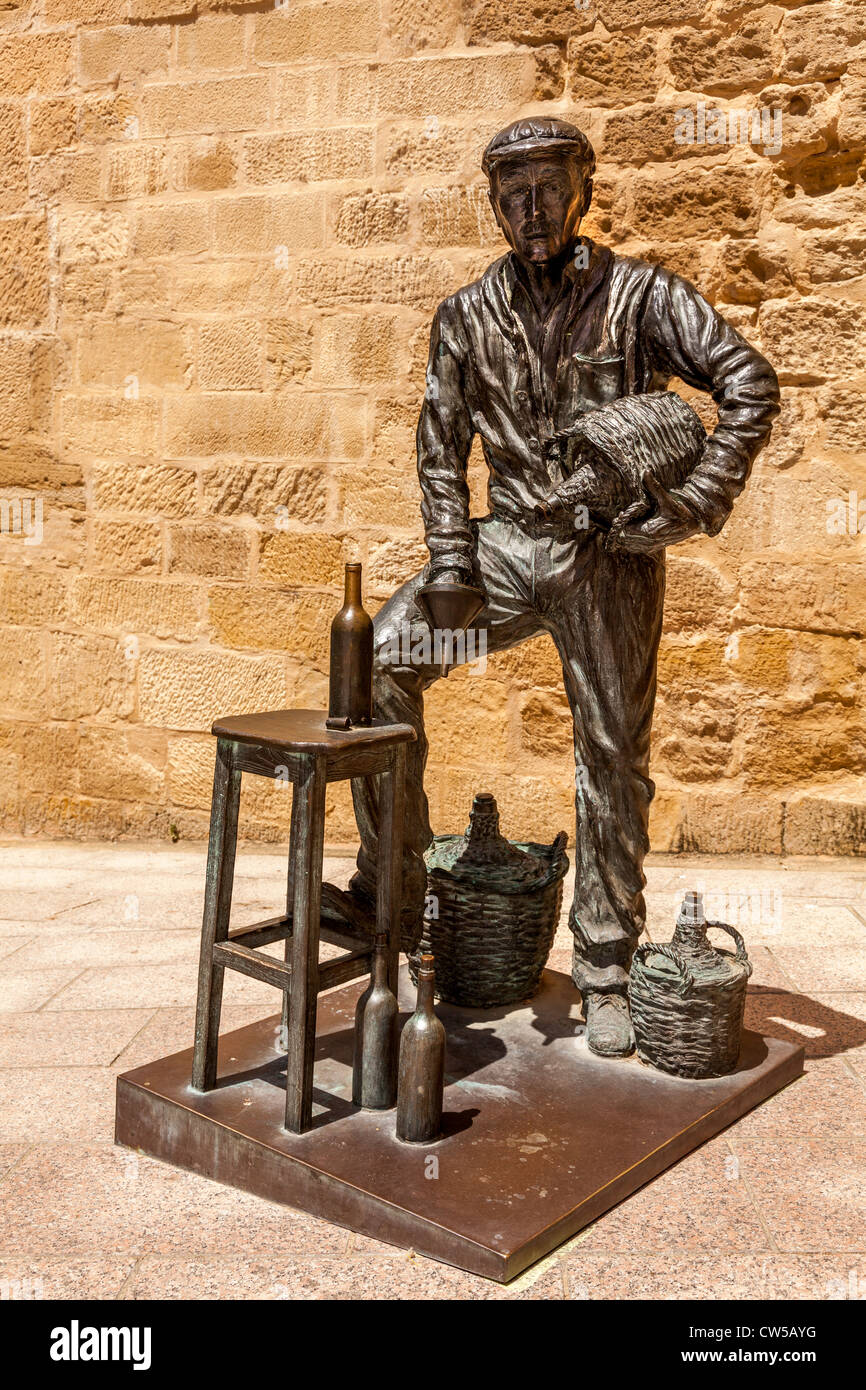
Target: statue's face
[{"x": 538, "y": 202}]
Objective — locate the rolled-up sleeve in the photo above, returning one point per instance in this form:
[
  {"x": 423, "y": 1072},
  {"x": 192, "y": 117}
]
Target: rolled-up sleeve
[
  {"x": 684, "y": 336},
  {"x": 444, "y": 439}
]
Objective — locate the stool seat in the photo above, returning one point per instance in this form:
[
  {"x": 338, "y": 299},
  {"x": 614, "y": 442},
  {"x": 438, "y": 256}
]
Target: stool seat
[
  {"x": 304, "y": 731},
  {"x": 296, "y": 747}
]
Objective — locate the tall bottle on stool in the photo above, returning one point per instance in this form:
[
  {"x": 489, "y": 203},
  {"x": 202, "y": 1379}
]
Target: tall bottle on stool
[
  {"x": 350, "y": 694},
  {"x": 421, "y": 1076},
  {"x": 374, "y": 1074}
]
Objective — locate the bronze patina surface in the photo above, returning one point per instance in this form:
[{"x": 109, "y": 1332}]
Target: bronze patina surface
[
  {"x": 557, "y": 330},
  {"x": 541, "y": 1137}
]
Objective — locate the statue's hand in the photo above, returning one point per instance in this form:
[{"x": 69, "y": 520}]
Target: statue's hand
[
  {"x": 457, "y": 576},
  {"x": 671, "y": 521}
]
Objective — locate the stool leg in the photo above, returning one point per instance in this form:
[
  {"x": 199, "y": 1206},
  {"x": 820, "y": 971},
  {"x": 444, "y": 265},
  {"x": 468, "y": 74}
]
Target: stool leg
[
  {"x": 290, "y": 900},
  {"x": 389, "y": 868},
  {"x": 217, "y": 909},
  {"x": 308, "y": 833}
]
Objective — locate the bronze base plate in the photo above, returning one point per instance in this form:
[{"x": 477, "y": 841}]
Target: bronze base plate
[{"x": 540, "y": 1136}]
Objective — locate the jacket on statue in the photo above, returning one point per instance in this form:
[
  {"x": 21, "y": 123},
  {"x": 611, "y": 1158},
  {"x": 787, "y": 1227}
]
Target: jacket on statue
[{"x": 620, "y": 326}]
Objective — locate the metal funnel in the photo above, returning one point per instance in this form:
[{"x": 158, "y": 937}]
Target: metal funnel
[{"x": 449, "y": 608}]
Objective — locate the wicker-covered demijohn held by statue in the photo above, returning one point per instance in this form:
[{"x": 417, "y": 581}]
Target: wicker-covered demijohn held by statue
[
  {"x": 493, "y": 908},
  {"x": 687, "y": 998},
  {"x": 610, "y": 451}
]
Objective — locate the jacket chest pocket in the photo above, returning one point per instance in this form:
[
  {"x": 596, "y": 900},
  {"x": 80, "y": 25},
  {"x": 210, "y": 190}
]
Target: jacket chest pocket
[{"x": 593, "y": 381}]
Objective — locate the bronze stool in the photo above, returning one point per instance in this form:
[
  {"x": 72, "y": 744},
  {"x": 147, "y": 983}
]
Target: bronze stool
[{"x": 295, "y": 744}]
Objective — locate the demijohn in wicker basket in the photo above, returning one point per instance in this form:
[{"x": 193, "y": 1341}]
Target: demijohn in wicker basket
[
  {"x": 608, "y": 452},
  {"x": 492, "y": 912},
  {"x": 687, "y": 998}
]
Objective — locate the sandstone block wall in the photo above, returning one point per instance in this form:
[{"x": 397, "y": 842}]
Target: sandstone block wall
[{"x": 223, "y": 230}]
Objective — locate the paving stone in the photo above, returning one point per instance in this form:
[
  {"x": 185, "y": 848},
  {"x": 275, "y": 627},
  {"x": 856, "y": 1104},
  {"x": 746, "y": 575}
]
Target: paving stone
[
  {"x": 811, "y": 1192},
  {"x": 31, "y": 1279},
  {"x": 86, "y": 1038},
  {"x": 24, "y": 990},
  {"x": 104, "y": 1199},
  {"x": 385, "y": 1277},
  {"x": 706, "y": 1277}
]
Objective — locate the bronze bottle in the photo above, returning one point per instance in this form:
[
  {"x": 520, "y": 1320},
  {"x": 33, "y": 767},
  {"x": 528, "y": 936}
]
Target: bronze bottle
[
  {"x": 350, "y": 697},
  {"x": 421, "y": 1076},
  {"x": 374, "y": 1073}
]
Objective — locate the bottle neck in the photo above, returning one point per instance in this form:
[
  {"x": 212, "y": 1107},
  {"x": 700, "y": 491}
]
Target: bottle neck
[
  {"x": 352, "y": 591},
  {"x": 690, "y": 932},
  {"x": 483, "y": 819},
  {"x": 380, "y": 963},
  {"x": 425, "y": 992}
]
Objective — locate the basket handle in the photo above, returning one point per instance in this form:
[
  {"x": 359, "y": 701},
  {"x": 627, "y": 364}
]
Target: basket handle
[
  {"x": 558, "y": 865},
  {"x": 740, "y": 944},
  {"x": 687, "y": 979}
]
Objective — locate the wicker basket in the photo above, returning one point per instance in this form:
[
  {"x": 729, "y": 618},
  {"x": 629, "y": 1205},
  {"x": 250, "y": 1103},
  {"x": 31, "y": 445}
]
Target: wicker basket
[
  {"x": 687, "y": 999},
  {"x": 493, "y": 907},
  {"x": 610, "y": 450}
]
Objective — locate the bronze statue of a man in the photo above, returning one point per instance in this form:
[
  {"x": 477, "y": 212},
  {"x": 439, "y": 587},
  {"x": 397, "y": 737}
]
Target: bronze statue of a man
[{"x": 558, "y": 326}]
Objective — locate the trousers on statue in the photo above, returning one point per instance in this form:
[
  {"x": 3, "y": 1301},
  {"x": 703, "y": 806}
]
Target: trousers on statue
[{"x": 603, "y": 610}]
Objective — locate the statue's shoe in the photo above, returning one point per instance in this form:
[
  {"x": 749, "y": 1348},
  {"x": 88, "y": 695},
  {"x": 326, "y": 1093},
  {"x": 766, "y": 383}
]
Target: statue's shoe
[
  {"x": 608, "y": 1026},
  {"x": 363, "y": 896}
]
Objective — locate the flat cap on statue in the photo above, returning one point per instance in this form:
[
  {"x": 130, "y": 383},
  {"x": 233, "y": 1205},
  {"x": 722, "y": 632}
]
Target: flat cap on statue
[{"x": 538, "y": 135}]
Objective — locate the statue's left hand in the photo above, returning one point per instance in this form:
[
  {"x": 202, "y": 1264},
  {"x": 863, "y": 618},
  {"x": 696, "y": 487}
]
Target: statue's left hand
[{"x": 671, "y": 521}]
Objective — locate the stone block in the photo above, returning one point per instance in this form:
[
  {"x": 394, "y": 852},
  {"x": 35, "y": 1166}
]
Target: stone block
[
  {"x": 814, "y": 337},
  {"x": 92, "y": 676},
  {"x": 298, "y": 560},
  {"x": 30, "y": 597},
  {"x": 274, "y": 493},
  {"x": 24, "y": 272},
  {"x": 125, "y": 547},
  {"x": 523, "y": 21},
  {"x": 187, "y": 690},
  {"x": 712, "y": 61},
  {"x": 308, "y": 156},
  {"x": 829, "y": 820},
  {"x": 215, "y": 42},
  {"x": 359, "y": 350},
  {"x": 52, "y": 124},
  {"x": 821, "y": 41},
  {"x": 92, "y": 237},
  {"x": 205, "y": 163},
  {"x": 546, "y": 725},
  {"x": 365, "y": 219},
  {"x": 613, "y": 71},
  {"x": 821, "y": 597},
  {"x": 420, "y": 282},
  {"x": 230, "y": 355},
  {"x": 111, "y": 423},
  {"x": 135, "y": 606},
  {"x": 124, "y": 53},
  {"x": 322, "y": 425},
  {"x": 215, "y": 105},
  {"x": 250, "y": 618},
  {"x": 155, "y": 489},
  {"x": 123, "y": 765},
  {"x": 319, "y": 31},
  {"x": 35, "y": 63},
  {"x": 700, "y": 202},
  {"x": 459, "y": 217},
  {"x": 203, "y": 548},
  {"x": 174, "y": 229},
  {"x": 133, "y": 353}
]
